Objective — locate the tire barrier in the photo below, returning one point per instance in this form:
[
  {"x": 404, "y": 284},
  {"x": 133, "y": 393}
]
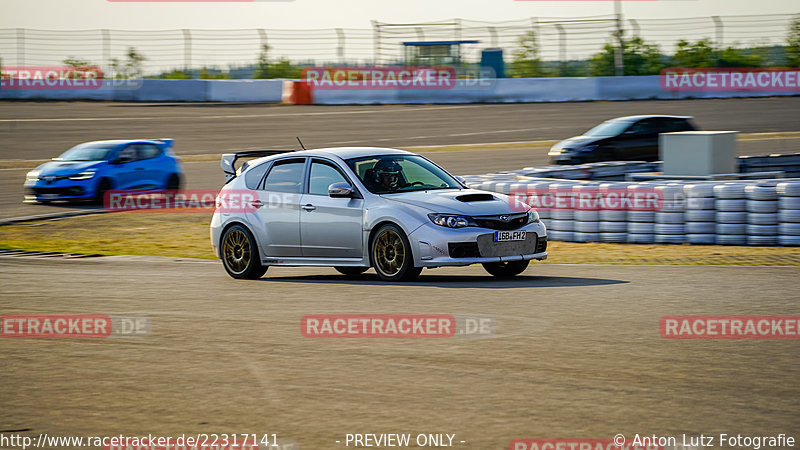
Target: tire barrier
[{"x": 740, "y": 212}]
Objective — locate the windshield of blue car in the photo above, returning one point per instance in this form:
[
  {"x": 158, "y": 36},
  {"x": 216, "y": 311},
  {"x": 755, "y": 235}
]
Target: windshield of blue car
[
  {"x": 389, "y": 174},
  {"x": 609, "y": 128},
  {"x": 86, "y": 152}
]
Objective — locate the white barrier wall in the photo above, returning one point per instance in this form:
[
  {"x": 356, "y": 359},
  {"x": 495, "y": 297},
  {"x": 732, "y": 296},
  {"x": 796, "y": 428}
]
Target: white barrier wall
[
  {"x": 162, "y": 91},
  {"x": 503, "y": 90}
]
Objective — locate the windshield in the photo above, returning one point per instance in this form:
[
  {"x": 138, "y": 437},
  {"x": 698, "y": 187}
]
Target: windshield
[
  {"x": 86, "y": 152},
  {"x": 400, "y": 173},
  {"x": 609, "y": 128}
]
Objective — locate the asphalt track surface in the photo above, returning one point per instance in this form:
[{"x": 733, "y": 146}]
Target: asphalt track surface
[
  {"x": 30, "y": 130},
  {"x": 42, "y": 130},
  {"x": 577, "y": 354}
]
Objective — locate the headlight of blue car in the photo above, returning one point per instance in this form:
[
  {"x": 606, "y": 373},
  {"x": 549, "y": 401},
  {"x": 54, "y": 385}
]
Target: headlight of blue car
[
  {"x": 83, "y": 175},
  {"x": 452, "y": 220},
  {"x": 32, "y": 176}
]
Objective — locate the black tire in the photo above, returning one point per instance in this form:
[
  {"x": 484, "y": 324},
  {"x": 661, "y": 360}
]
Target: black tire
[
  {"x": 351, "y": 271},
  {"x": 240, "y": 254},
  {"x": 390, "y": 254},
  {"x": 174, "y": 182},
  {"x": 506, "y": 269},
  {"x": 103, "y": 186}
]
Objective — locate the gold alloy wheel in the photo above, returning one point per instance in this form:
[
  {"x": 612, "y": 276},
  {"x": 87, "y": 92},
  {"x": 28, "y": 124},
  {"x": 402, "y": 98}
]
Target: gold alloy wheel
[
  {"x": 389, "y": 253},
  {"x": 236, "y": 251}
]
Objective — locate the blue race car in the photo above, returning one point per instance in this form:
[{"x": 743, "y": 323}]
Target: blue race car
[{"x": 87, "y": 171}]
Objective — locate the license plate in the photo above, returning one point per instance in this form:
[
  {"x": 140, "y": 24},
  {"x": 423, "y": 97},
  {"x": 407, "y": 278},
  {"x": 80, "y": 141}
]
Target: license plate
[
  {"x": 48, "y": 196},
  {"x": 505, "y": 236}
]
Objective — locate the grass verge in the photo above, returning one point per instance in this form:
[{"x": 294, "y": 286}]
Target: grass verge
[{"x": 186, "y": 235}]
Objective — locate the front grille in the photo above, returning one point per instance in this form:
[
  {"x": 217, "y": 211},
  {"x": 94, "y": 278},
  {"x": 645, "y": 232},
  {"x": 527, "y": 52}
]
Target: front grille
[
  {"x": 512, "y": 222},
  {"x": 463, "y": 249},
  {"x": 73, "y": 191},
  {"x": 541, "y": 244}
]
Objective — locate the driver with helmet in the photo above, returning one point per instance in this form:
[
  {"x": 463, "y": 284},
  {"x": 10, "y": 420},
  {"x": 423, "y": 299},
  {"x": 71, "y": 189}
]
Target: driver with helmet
[{"x": 387, "y": 176}]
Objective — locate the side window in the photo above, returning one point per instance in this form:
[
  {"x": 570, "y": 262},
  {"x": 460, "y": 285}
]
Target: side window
[
  {"x": 253, "y": 177},
  {"x": 323, "y": 174},
  {"x": 646, "y": 126},
  {"x": 127, "y": 154},
  {"x": 149, "y": 151},
  {"x": 286, "y": 176}
]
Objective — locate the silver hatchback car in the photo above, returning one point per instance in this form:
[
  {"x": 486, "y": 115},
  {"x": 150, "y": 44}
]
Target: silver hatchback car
[{"x": 356, "y": 208}]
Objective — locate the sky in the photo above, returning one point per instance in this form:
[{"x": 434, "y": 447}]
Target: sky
[{"x": 305, "y": 14}]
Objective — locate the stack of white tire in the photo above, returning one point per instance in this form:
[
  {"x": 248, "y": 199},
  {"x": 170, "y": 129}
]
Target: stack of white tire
[
  {"x": 670, "y": 227},
  {"x": 788, "y": 212},
  {"x": 701, "y": 215},
  {"x": 587, "y": 219},
  {"x": 613, "y": 219},
  {"x": 731, "y": 213},
  {"x": 762, "y": 214},
  {"x": 641, "y": 221},
  {"x": 562, "y": 220},
  {"x": 614, "y": 222}
]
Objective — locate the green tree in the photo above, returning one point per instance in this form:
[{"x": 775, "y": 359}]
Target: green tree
[
  {"x": 73, "y": 61},
  {"x": 131, "y": 68},
  {"x": 734, "y": 57},
  {"x": 639, "y": 57},
  {"x": 526, "y": 62},
  {"x": 282, "y": 68},
  {"x": 82, "y": 66},
  {"x": 205, "y": 74},
  {"x": 262, "y": 66},
  {"x": 176, "y": 75},
  {"x": 793, "y": 44},
  {"x": 699, "y": 54}
]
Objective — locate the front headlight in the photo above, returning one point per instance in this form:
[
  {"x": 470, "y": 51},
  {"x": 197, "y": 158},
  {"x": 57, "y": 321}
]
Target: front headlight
[
  {"x": 533, "y": 216},
  {"x": 32, "y": 176},
  {"x": 83, "y": 175},
  {"x": 451, "y": 220}
]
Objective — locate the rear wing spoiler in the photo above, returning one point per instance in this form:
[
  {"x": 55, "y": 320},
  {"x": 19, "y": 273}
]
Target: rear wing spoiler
[
  {"x": 228, "y": 161},
  {"x": 166, "y": 144}
]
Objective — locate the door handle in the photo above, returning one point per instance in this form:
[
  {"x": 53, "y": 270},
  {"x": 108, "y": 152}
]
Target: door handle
[
  {"x": 309, "y": 207},
  {"x": 256, "y": 204},
  {"x": 139, "y": 168}
]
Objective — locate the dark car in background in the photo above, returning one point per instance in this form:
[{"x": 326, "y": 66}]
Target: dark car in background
[{"x": 631, "y": 138}]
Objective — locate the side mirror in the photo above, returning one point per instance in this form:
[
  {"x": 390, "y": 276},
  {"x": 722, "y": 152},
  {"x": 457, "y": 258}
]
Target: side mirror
[
  {"x": 340, "y": 190},
  {"x": 461, "y": 180},
  {"x": 122, "y": 160}
]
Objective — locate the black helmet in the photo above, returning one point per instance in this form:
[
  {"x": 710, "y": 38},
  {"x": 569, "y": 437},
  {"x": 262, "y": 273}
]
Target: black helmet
[{"x": 387, "y": 167}]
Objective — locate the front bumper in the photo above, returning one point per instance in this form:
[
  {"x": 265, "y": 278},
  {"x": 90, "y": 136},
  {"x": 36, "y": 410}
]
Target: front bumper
[
  {"x": 563, "y": 157},
  {"x": 437, "y": 246},
  {"x": 58, "y": 190}
]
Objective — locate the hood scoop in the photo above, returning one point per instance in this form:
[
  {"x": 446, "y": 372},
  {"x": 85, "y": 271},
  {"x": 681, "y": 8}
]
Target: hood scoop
[{"x": 475, "y": 198}]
